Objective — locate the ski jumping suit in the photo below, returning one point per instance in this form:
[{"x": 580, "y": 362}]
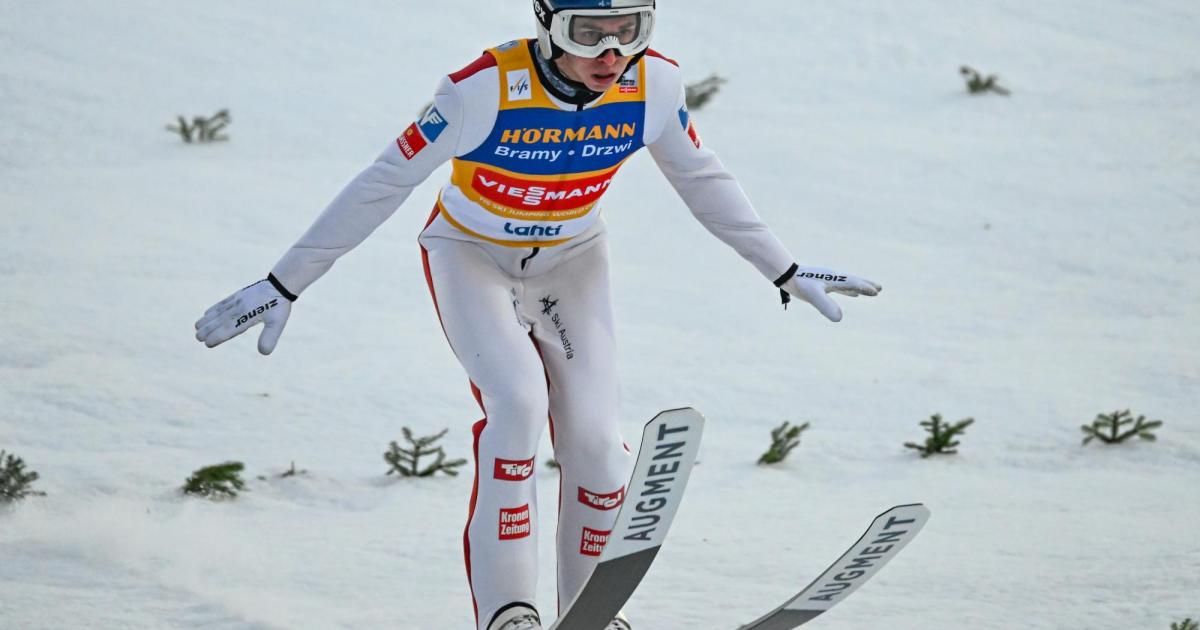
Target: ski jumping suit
[{"x": 517, "y": 264}]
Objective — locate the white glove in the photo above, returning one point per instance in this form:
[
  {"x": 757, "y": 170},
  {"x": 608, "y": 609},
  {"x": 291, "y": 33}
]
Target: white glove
[
  {"x": 259, "y": 303},
  {"x": 812, "y": 283}
]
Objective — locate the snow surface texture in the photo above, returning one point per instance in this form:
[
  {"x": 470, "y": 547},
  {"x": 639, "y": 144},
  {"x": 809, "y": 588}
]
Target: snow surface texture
[{"x": 1038, "y": 252}]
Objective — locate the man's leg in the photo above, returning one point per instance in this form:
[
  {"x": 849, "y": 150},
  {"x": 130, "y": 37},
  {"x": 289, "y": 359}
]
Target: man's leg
[
  {"x": 572, "y": 311},
  {"x": 475, "y": 304}
]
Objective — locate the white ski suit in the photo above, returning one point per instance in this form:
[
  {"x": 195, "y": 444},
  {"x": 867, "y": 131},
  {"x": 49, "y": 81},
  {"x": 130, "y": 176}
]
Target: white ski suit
[{"x": 517, "y": 263}]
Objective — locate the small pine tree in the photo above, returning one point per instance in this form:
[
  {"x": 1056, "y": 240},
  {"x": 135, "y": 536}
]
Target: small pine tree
[
  {"x": 553, "y": 463},
  {"x": 784, "y": 438},
  {"x": 221, "y": 481},
  {"x": 978, "y": 84},
  {"x": 202, "y": 129},
  {"x": 405, "y": 461},
  {"x": 941, "y": 436},
  {"x": 1186, "y": 624},
  {"x": 1108, "y": 428},
  {"x": 14, "y": 481},
  {"x": 697, "y": 95}
]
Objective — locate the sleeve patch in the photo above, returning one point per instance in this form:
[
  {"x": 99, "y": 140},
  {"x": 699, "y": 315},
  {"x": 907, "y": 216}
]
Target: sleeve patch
[
  {"x": 683, "y": 117},
  {"x": 411, "y": 142},
  {"x": 432, "y": 124},
  {"x": 693, "y": 134}
]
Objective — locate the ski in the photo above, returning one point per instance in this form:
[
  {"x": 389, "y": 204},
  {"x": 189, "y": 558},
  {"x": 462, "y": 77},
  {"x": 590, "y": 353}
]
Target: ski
[
  {"x": 886, "y": 536},
  {"x": 664, "y": 462}
]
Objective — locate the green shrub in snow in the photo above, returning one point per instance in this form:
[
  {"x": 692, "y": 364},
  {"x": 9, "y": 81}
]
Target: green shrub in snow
[
  {"x": 978, "y": 84},
  {"x": 202, "y": 129},
  {"x": 1186, "y": 624},
  {"x": 697, "y": 94},
  {"x": 1111, "y": 428},
  {"x": 221, "y": 481},
  {"x": 14, "y": 481},
  {"x": 406, "y": 461},
  {"x": 941, "y": 436},
  {"x": 784, "y": 438}
]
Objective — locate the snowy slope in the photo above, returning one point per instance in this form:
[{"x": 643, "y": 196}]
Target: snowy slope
[{"x": 1038, "y": 256}]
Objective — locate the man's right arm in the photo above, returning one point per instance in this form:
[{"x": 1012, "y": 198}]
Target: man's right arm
[{"x": 375, "y": 194}]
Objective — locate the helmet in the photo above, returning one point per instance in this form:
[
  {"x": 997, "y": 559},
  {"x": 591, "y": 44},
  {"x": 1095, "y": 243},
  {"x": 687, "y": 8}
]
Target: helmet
[{"x": 587, "y": 28}]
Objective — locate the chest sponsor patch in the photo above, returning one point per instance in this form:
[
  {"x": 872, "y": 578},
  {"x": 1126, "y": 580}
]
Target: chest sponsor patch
[
  {"x": 411, "y": 142},
  {"x": 513, "y": 469},
  {"x": 540, "y": 195}
]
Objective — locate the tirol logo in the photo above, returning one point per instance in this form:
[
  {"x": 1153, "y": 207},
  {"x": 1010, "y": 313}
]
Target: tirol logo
[
  {"x": 544, "y": 196},
  {"x": 592, "y": 542},
  {"x": 411, "y": 142},
  {"x": 518, "y": 85},
  {"x": 515, "y": 523},
  {"x": 513, "y": 469},
  {"x": 601, "y": 501}
]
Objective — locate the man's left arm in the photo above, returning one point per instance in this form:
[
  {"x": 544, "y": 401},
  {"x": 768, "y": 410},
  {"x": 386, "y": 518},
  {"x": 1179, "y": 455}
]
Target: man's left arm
[{"x": 717, "y": 200}]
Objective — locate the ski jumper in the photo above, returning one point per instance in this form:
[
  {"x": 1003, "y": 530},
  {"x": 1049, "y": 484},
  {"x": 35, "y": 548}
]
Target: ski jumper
[{"x": 516, "y": 260}]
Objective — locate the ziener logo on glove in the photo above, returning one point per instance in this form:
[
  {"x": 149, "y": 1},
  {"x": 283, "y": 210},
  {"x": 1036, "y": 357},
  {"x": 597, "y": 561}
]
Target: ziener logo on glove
[
  {"x": 601, "y": 501},
  {"x": 827, "y": 277},
  {"x": 255, "y": 313}
]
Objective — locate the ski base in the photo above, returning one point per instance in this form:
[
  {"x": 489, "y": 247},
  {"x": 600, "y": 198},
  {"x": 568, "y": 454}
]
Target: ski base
[
  {"x": 888, "y": 534},
  {"x": 664, "y": 463}
]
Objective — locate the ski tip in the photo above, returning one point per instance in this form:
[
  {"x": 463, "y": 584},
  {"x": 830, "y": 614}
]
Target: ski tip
[
  {"x": 909, "y": 509},
  {"x": 680, "y": 412}
]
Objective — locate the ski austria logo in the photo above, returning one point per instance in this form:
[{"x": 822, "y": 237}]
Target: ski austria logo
[
  {"x": 513, "y": 469},
  {"x": 432, "y": 124},
  {"x": 601, "y": 501},
  {"x": 592, "y": 542},
  {"x": 518, "y": 85},
  {"x": 515, "y": 523}
]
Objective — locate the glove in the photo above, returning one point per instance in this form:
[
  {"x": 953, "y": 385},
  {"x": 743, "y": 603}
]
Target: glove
[
  {"x": 265, "y": 302},
  {"x": 811, "y": 284}
]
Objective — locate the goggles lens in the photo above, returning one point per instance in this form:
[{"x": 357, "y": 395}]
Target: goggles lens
[{"x": 592, "y": 30}]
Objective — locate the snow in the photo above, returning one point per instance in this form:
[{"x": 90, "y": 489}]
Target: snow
[{"x": 1038, "y": 255}]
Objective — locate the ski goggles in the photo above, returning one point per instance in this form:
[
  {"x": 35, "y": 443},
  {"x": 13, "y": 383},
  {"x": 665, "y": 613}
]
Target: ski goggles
[{"x": 590, "y": 32}]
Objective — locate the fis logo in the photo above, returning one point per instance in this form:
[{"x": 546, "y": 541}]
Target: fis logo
[
  {"x": 518, "y": 85},
  {"x": 515, "y": 523},
  {"x": 255, "y": 313},
  {"x": 432, "y": 124},
  {"x": 411, "y": 142},
  {"x": 601, "y": 501},
  {"x": 513, "y": 469},
  {"x": 592, "y": 542}
]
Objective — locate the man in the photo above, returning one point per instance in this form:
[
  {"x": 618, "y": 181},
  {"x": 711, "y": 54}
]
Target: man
[{"x": 516, "y": 260}]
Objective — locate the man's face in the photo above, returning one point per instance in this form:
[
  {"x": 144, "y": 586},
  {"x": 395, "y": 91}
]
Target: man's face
[{"x": 598, "y": 74}]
